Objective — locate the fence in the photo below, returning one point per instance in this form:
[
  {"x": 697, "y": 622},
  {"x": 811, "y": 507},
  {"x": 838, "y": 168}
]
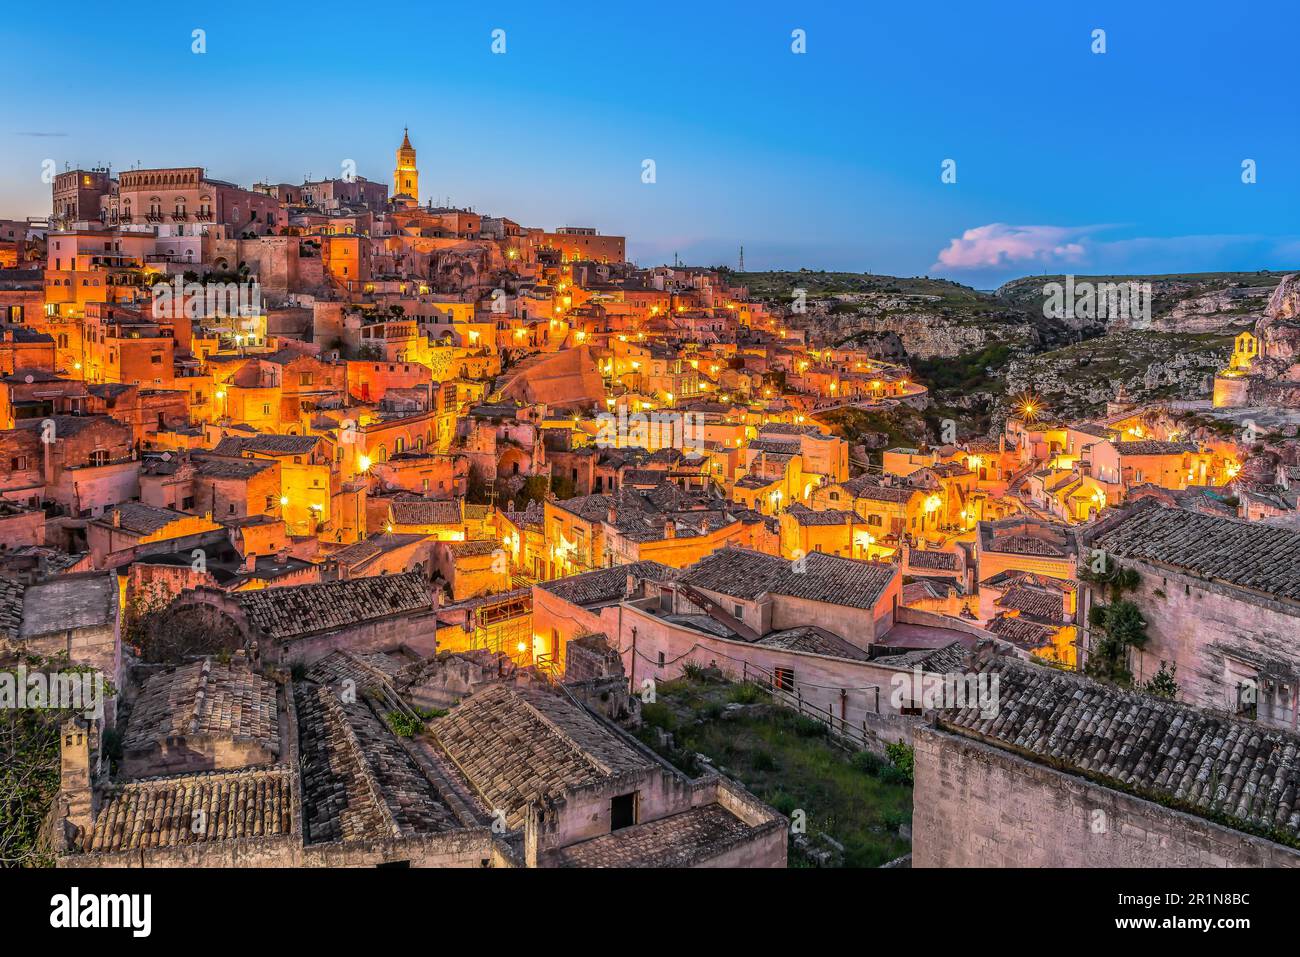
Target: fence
[{"x": 848, "y": 736}]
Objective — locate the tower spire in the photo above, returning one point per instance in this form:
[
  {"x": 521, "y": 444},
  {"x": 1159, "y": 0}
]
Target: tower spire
[{"x": 406, "y": 177}]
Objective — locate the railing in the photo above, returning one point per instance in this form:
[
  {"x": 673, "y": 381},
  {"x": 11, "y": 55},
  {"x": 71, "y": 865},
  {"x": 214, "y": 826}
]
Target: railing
[{"x": 842, "y": 733}]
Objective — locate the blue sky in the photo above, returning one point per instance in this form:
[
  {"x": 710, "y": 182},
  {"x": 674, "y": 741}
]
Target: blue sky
[{"x": 1066, "y": 160}]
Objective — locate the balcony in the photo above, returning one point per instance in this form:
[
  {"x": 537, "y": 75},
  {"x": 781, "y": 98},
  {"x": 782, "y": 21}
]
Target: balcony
[{"x": 179, "y": 216}]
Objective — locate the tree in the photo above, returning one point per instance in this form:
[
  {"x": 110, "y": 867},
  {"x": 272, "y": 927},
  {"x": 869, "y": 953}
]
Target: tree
[
  {"x": 29, "y": 769},
  {"x": 1117, "y": 627},
  {"x": 1163, "y": 683}
]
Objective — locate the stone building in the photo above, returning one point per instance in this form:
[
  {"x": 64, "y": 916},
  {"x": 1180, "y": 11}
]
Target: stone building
[
  {"x": 302, "y": 623},
  {"x": 512, "y": 777},
  {"x": 201, "y": 717},
  {"x": 1221, "y": 600},
  {"x": 1265, "y": 366},
  {"x": 1072, "y": 773}
]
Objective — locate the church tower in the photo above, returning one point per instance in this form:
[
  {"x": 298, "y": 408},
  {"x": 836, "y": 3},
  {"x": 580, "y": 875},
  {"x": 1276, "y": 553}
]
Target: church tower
[{"x": 406, "y": 178}]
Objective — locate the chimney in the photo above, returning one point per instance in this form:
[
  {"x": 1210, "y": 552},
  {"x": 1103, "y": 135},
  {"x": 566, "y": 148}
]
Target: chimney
[
  {"x": 532, "y": 825},
  {"x": 117, "y": 518},
  {"x": 76, "y": 791},
  {"x": 250, "y": 562},
  {"x": 612, "y": 515},
  {"x": 282, "y": 556},
  {"x": 670, "y": 529}
]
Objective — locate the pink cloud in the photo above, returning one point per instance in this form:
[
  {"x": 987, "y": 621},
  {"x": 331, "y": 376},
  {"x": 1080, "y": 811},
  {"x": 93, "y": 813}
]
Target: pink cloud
[{"x": 1000, "y": 244}]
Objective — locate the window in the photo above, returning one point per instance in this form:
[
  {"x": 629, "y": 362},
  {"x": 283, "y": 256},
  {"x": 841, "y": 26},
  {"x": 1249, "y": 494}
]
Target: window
[
  {"x": 739, "y": 610},
  {"x": 622, "y": 811},
  {"x": 99, "y": 457},
  {"x": 18, "y": 464},
  {"x": 783, "y": 678}
]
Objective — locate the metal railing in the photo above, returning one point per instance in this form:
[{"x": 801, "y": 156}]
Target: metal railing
[{"x": 848, "y": 736}]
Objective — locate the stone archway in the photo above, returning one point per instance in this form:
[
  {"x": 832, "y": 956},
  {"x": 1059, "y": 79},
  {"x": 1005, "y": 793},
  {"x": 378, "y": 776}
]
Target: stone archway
[{"x": 202, "y": 622}]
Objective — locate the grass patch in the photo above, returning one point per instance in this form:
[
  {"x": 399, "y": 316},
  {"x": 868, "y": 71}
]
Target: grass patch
[{"x": 786, "y": 759}]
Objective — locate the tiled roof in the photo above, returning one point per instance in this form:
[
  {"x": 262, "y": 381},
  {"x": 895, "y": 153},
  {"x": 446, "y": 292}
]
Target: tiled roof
[
  {"x": 1202, "y": 762},
  {"x": 812, "y": 639},
  {"x": 605, "y": 584},
  {"x": 11, "y": 608},
  {"x": 531, "y": 517},
  {"x": 1022, "y": 632},
  {"x": 1016, "y": 576},
  {"x": 593, "y": 508},
  {"x": 806, "y": 516},
  {"x": 421, "y": 511},
  {"x": 648, "y": 477},
  {"x": 1251, "y": 555},
  {"x": 948, "y": 659},
  {"x": 519, "y": 746},
  {"x": 358, "y": 783},
  {"x": 205, "y": 698},
  {"x": 363, "y": 668},
  {"x": 678, "y": 840},
  {"x": 230, "y": 468},
  {"x": 932, "y": 558},
  {"x": 145, "y": 519},
  {"x": 68, "y": 425},
  {"x": 862, "y": 487},
  {"x": 1040, "y": 604},
  {"x": 1154, "y": 447},
  {"x": 745, "y": 574},
  {"x": 786, "y": 428},
  {"x": 267, "y": 443},
  {"x": 193, "y": 809},
  {"x": 305, "y": 609},
  {"x": 1025, "y": 536}
]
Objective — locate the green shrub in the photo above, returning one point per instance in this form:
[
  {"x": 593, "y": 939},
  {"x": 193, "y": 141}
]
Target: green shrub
[
  {"x": 869, "y": 763},
  {"x": 403, "y": 724},
  {"x": 694, "y": 672},
  {"x": 807, "y": 727},
  {"x": 746, "y": 693},
  {"x": 903, "y": 758},
  {"x": 762, "y": 761}
]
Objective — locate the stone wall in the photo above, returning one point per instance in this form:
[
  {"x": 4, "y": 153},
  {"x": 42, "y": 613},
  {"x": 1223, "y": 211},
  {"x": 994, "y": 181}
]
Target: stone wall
[
  {"x": 1200, "y": 626},
  {"x": 469, "y": 847},
  {"x": 980, "y": 806},
  {"x": 415, "y": 632}
]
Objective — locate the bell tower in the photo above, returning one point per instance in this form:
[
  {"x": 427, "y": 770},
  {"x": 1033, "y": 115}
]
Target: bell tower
[{"x": 406, "y": 178}]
